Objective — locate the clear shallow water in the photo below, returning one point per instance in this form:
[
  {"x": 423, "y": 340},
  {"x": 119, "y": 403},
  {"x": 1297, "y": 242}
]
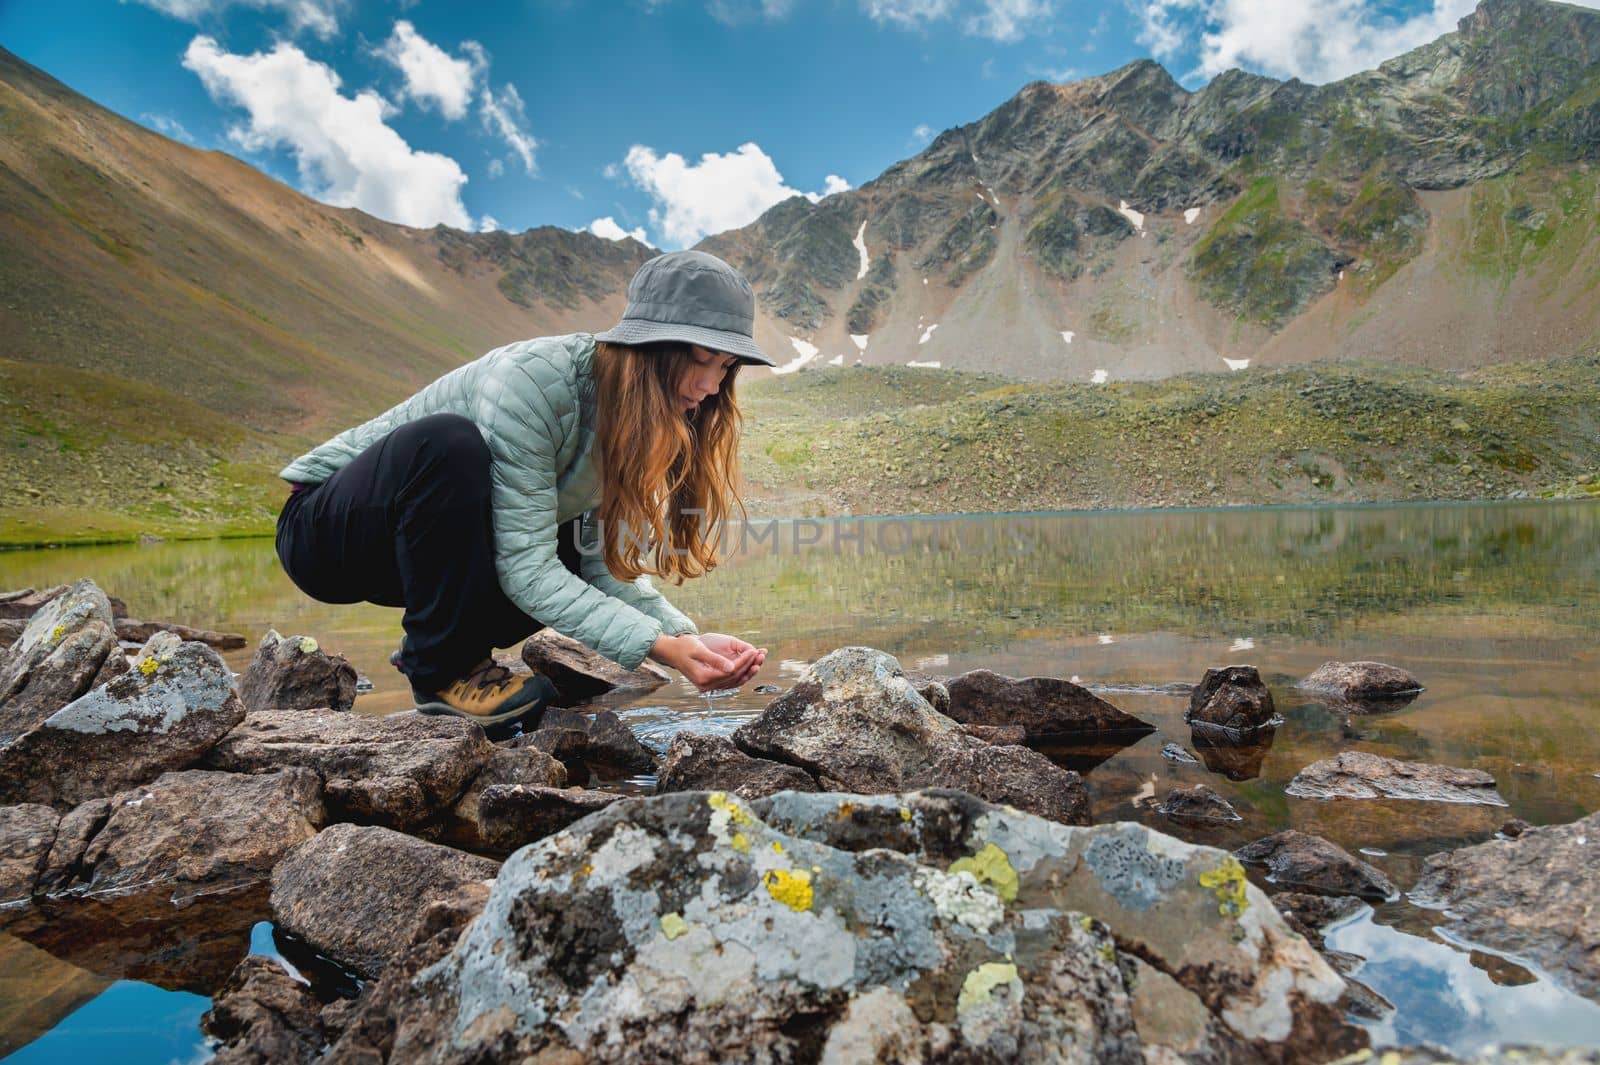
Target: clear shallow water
[{"x": 1495, "y": 607}]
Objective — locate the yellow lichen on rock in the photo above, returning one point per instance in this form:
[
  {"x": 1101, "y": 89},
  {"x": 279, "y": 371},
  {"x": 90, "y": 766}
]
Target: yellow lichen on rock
[
  {"x": 148, "y": 666},
  {"x": 57, "y": 632},
  {"x": 978, "y": 987},
  {"x": 721, "y": 800},
  {"x": 673, "y": 925},
  {"x": 740, "y": 842},
  {"x": 1227, "y": 882},
  {"x": 991, "y": 866},
  {"x": 308, "y": 645},
  {"x": 905, "y": 814},
  {"x": 792, "y": 888}
]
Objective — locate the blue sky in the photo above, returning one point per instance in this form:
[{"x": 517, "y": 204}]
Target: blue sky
[{"x": 666, "y": 118}]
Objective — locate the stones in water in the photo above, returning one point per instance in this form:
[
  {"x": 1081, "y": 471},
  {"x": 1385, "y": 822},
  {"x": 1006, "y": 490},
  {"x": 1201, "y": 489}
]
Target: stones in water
[
  {"x": 1310, "y": 863},
  {"x": 608, "y": 743},
  {"x": 168, "y": 710},
  {"x": 60, "y": 654},
  {"x": 1359, "y": 775},
  {"x": 1532, "y": 897},
  {"x": 1174, "y": 752},
  {"x": 1359, "y": 681},
  {"x": 294, "y": 673},
  {"x": 698, "y": 762},
  {"x": 580, "y": 674},
  {"x": 855, "y": 722},
  {"x": 1197, "y": 804},
  {"x": 408, "y": 771},
  {"x": 356, "y": 892},
  {"x": 1233, "y": 699},
  {"x": 1014, "y": 776},
  {"x": 1047, "y": 708},
  {"x": 939, "y": 928}
]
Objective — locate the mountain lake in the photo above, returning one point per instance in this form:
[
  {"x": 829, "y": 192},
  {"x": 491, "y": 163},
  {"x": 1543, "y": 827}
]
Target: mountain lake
[{"x": 1496, "y": 607}]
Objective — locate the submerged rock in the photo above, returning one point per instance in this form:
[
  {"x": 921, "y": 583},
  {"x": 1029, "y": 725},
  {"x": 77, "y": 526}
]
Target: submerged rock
[
  {"x": 1047, "y": 708},
  {"x": 264, "y": 1016},
  {"x": 1311, "y": 863},
  {"x": 580, "y": 674},
  {"x": 405, "y": 771},
  {"x": 698, "y": 762},
  {"x": 1233, "y": 698},
  {"x": 1359, "y": 775},
  {"x": 167, "y": 711},
  {"x": 511, "y": 816},
  {"x": 294, "y": 673},
  {"x": 1174, "y": 752},
  {"x": 788, "y": 929},
  {"x": 1197, "y": 803},
  {"x": 1361, "y": 681},
  {"x": 356, "y": 893},
  {"x": 1532, "y": 897},
  {"x": 59, "y": 656}
]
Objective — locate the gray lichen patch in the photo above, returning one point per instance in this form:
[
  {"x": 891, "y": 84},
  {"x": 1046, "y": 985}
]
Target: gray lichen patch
[{"x": 1129, "y": 871}]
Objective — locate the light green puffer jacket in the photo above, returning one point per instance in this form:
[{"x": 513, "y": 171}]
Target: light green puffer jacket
[{"x": 534, "y": 403}]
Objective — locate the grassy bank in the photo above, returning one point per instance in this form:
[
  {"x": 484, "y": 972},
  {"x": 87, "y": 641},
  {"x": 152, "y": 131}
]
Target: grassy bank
[{"x": 881, "y": 440}]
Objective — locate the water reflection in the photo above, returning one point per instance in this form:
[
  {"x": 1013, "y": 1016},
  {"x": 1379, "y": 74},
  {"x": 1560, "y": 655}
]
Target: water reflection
[{"x": 1444, "y": 996}]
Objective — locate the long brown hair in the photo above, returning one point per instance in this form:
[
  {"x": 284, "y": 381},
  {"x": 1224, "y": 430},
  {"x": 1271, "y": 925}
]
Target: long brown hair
[{"x": 669, "y": 479}]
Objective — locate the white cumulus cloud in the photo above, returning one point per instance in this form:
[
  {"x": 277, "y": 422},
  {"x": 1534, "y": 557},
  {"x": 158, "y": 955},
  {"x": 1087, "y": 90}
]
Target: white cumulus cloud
[
  {"x": 907, "y": 14},
  {"x": 1007, "y": 20},
  {"x": 719, "y": 192},
  {"x": 505, "y": 115},
  {"x": 319, "y": 17},
  {"x": 434, "y": 78},
  {"x": 347, "y": 154},
  {"x": 608, "y": 228},
  {"x": 488, "y": 224},
  {"x": 1317, "y": 43}
]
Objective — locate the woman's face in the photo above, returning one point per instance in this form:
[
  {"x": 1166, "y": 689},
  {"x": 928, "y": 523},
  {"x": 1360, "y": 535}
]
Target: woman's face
[{"x": 704, "y": 377}]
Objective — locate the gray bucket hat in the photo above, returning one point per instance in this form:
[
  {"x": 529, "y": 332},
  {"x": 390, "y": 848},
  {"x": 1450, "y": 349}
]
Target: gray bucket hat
[{"x": 694, "y": 298}]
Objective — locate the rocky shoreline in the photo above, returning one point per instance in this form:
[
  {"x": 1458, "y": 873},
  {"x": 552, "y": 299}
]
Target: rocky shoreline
[{"x": 878, "y": 867}]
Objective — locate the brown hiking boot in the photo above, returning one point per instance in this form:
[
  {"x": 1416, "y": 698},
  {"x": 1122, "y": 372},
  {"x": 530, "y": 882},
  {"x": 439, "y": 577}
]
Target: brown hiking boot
[{"x": 490, "y": 694}]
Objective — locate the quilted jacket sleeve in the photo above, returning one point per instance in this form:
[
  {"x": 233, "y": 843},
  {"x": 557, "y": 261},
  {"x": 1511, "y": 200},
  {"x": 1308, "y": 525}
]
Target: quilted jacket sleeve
[
  {"x": 640, "y": 594},
  {"x": 522, "y": 417}
]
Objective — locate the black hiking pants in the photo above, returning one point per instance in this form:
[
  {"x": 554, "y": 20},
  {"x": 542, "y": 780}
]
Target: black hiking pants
[{"x": 408, "y": 524}]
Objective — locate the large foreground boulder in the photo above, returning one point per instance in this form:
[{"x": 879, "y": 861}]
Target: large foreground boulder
[
  {"x": 854, "y": 722},
  {"x": 1047, "y": 708},
  {"x": 167, "y": 711},
  {"x": 841, "y": 928},
  {"x": 1532, "y": 897},
  {"x": 294, "y": 673},
  {"x": 1311, "y": 863},
  {"x": 356, "y": 892},
  {"x": 1359, "y": 775},
  {"x": 58, "y": 657}
]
